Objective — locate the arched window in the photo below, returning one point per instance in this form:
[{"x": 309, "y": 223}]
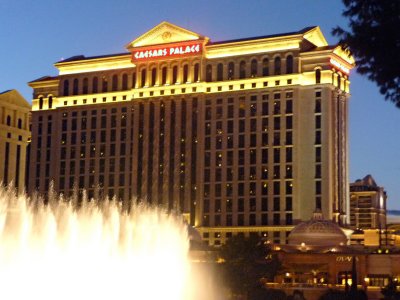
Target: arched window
[
  {"x": 75, "y": 88},
  {"x": 66, "y": 87},
  {"x": 104, "y": 84},
  {"x": 153, "y": 76},
  {"x": 50, "y": 101},
  {"x": 339, "y": 81},
  {"x": 95, "y": 85},
  {"x": 318, "y": 76},
  {"x": 253, "y": 68},
  {"x": 115, "y": 82},
  {"x": 196, "y": 72},
  {"x": 124, "y": 82},
  {"x": 164, "y": 75},
  {"x": 19, "y": 123},
  {"x": 231, "y": 70},
  {"x": 277, "y": 66},
  {"x": 220, "y": 72},
  {"x": 40, "y": 102},
  {"x": 185, "y": 73},
  {"x": 9, "y": 119},
  {"x": 289, "y": 64},
  {"x": 85, "y": 87},
  {"x": 242, "y": 69},
  {"x": 208, "y": 73},
  {"x": 265, "y": 67},
  {"x": 174, "y": 74},
  {"x": 134, "y": 80},
  {"x": 143, "y": 78}
]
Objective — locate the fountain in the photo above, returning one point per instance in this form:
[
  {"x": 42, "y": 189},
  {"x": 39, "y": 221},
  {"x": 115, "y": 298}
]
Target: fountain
[{"x": 97, "y": 251}]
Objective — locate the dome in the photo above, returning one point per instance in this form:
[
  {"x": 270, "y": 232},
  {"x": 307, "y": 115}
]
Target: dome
[{"x": 317, "y": 232}]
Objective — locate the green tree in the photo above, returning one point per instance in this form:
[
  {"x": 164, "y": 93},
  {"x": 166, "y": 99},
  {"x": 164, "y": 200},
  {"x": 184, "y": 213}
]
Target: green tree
[
  {"x": 246, "y": 261},
  {"x": 374, "y": 40}
]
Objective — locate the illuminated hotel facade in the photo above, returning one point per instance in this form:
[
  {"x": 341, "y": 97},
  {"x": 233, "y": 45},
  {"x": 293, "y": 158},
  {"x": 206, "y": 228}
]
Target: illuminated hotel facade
[
  {"x": 14, "y": 137},
  {"x": 245, "y": 135}
]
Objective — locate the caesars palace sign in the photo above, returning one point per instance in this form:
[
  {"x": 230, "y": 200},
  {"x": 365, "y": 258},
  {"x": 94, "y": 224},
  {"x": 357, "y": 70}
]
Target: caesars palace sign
[{"x": 175, "y": 50}]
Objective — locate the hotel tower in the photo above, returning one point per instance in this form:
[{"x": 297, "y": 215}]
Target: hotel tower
[{"x": 240, "y": 136}]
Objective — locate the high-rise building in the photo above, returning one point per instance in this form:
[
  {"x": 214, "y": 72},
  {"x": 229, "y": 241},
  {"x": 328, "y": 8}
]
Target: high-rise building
[
  {"x": 367, "y": 204},
  {"x": 246, "y": 135},
  {"x": 14, "y": 136}
]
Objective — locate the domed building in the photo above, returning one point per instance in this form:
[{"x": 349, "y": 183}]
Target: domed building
[{"x": 317, "y": 233}]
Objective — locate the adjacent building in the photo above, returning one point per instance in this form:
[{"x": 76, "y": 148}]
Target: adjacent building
[
  {"x": 367, "y": 204},
  {"x": 14, "y": 138},
  {"x": 246, "y": 135}
]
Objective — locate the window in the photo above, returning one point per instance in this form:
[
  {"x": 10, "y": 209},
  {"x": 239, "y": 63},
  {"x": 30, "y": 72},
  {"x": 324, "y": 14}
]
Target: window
[
  {"x": 185, "y": 73},
  {"x": 318, "y": 76},
  {"x": 288, "y": 187},
  {"x": 276, "y": 219},
  {"x": 85, "y": 86},
  {"x": 175, "y": 74},
  {"x": 242, "y": 69},
  {"x": 318, "y": 121},
  {"x": 318, "y": 137},
  {"x": 209, "y": 73},
  {"x": 66, "y": 87},
  {"x": 289, "y": 64},
  {"x": 231, "y": 70},
  {"x": 265, "y": 67},
  {"x": 317, "y": 171},
  {"x": 104, "y": 84},
  {"x": 153, "y": 76},
  {"x": 253, "y": 68},
  {"x": 95, "y": 84},
  {"x": 143, "y": 78},
  {"x": 220, "y": 70},
  {"x": 164, "y": 75},
  {"x": 318, "y": 187},
  {"x": 115, "y": 83},
  {"x": 196, "y": 72},
  {"x": 8, "y": 121},
  {"x": 40, "y": 102},
  {"x": 19, "y": 123},
  {"x": 124, "y": 81},
  {"x": 277, "y": 66},
  {"x": 289, "y": 204},
  {"x": 317, "y": 105},
  {"x": 318, "y": 154}
]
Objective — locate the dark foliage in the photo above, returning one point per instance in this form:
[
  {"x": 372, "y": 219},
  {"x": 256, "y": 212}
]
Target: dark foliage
[
  {"x": 246, "y": 261},
  {"x": 374, "y": 41},
  {"x": 260, "y": 293},
  {"x": 390, "y": 291},
  {"x": 343, "y": 295}
]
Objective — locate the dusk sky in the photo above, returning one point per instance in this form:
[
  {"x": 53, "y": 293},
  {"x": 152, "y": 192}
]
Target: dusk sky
[{"x": 36, "y": 34}]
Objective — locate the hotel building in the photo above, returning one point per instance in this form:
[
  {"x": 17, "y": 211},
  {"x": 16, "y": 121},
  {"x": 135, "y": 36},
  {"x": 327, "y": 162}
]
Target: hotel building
[
  {"x": 14, "y": 136},
  {"x": 367, "y": 204},
  {"x": 246, "y": 135}
]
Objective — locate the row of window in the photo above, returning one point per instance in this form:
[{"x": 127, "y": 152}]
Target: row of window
[
  {"x": 165, "y": 76},
  {"x": 19, "y": 122},
  {"x": 247, "y": 219},
  {"x": 229, "y": 206}
]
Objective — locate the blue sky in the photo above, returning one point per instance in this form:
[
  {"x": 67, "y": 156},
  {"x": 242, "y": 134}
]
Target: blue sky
[{"x": 36, "y": 34}]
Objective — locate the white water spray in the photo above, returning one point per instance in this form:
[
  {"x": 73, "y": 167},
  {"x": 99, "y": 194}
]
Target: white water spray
[{"x": 57, "y": 251}]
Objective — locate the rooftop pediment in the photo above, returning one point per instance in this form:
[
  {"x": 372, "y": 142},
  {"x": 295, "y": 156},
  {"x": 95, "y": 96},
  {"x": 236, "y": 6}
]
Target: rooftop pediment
[{"x": 164, "y": 33}]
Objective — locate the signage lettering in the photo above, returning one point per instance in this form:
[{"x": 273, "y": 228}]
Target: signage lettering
[
  {"x": 344, "y": 259},
  {"x": 169, "y": 51},
  {"x": 339, "y": 66}
]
